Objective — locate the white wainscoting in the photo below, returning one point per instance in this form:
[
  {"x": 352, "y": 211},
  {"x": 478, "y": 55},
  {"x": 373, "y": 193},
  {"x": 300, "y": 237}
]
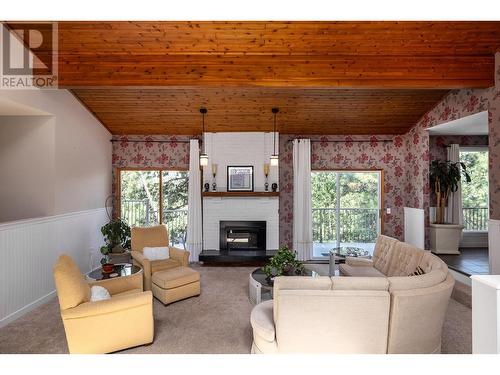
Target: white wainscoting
[
  {"x": 29, "y": 250},
  {"x": 414, "y": 224}
]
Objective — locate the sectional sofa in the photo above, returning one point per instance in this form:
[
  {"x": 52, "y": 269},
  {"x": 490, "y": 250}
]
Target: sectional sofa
[{"x": 394, "y": 303}]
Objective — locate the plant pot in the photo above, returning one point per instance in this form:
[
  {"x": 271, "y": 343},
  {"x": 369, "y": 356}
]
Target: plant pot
[
  {"x": 118, "y": 249},
  {"x": 445, "y": 238},
  {"x": 108, "y": 267}
]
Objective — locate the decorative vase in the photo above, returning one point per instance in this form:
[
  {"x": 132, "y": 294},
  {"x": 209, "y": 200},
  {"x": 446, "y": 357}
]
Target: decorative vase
[
  {"x": 274, "y": 186},
  {"x": 266, "y": 186},
  {"x": 206, "y": 186},
  {"x": 214, "y": 186}
]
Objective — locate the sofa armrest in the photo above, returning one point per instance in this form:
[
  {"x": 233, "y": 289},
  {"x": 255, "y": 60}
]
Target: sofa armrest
[
  {"x": 112, "y": 305},
  {"x": 262, "y": 321},
  {"x": 143, "y": 261},
  {"x": 179, "y": 255},
  {"x": 358, "y": 262},
  {"x": 119, "y": 284}
]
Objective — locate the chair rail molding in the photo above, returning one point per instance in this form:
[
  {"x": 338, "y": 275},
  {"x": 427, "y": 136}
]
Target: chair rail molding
[{"x": 29, "y": 249}]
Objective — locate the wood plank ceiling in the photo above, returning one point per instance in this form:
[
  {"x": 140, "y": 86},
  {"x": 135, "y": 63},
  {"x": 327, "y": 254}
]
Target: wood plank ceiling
[
  {"x": 326, "y": 77},
  {"x": 302, "y": 111}
]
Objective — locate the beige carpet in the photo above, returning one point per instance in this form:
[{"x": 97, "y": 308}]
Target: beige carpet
[{"x": 215, "y": 322}]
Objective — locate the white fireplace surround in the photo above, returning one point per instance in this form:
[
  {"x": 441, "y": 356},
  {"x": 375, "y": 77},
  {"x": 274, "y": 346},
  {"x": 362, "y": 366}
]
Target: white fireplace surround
[
  {"x": 239, "y": 149},
  {"x": 217, "y": 209}
]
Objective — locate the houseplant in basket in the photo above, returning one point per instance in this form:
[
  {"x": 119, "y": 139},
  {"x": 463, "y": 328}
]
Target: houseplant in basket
[
  {"x": 284, "y": 263},
  {"x": 116, "y": 237},
  {"x": 445, "y": 177}
]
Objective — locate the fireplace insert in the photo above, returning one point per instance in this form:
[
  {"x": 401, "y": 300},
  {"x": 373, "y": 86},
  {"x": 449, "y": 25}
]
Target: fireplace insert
[{"x": 242, "y": 235}]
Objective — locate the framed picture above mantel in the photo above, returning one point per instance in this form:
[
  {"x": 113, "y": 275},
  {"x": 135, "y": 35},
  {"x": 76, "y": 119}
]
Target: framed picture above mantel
[{"x": 240, "y": 178}]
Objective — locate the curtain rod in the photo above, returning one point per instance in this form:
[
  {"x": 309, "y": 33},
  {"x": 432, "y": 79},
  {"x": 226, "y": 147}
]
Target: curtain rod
[
  {"x": 151, "y": 140},
  {"x": 344, "y": 141}
]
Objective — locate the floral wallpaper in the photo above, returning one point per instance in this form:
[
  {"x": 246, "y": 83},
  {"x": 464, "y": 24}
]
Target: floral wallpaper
[
  {"x": 374, "y": 152},
  {"x": 438, "y": 143},
  {"x": 405, "y": 161},
  {"x": 457, "y": 104},
  {"x": 148, "y": 153}
]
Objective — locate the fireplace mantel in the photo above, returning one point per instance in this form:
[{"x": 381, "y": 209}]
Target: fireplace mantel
[{"x": 219, "y": 194}]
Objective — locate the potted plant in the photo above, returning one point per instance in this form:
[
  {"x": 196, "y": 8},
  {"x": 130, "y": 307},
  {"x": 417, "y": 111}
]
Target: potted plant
[
  {"x": 284, "y": 263},
  {"x": 445, "y": 177},
  {"x": 116, "y": 237}
]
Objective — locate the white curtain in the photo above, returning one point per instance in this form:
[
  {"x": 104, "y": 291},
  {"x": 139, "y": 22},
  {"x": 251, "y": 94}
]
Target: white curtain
[
  {"x": 454, "y": 213},
  {"x": 194, "y": 242},
  {"x": 302, "y": 214}
]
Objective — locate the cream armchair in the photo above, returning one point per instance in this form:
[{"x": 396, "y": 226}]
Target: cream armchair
[
  {"x": 123, "y": 321},
  {"x": 154, "y": 237}
]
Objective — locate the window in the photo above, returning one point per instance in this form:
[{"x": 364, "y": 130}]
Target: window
[
  {"x": 150, "y": 197},
  {"x": 475, "y": 193},
  {"x": 345, "y": 209}
]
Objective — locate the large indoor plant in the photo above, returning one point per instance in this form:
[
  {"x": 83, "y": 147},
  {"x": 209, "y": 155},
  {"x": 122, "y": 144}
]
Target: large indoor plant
[
  {"x": 116, "y": 237},
  {"x": 445, "y": 177},
  {"x": 284, "y": 263}
]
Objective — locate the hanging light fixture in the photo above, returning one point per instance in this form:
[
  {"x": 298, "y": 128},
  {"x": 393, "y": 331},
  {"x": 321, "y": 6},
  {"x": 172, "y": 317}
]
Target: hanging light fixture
[
  {"x": 203, "y": 155},
  {"x": 274, "y": 160}
]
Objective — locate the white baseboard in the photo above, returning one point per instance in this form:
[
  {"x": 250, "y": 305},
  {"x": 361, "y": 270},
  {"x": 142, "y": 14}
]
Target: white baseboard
[{"x": 26, "y": 309}]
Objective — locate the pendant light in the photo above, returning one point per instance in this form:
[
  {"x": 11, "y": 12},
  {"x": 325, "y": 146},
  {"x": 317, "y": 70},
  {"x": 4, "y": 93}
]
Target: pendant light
[
  {"x": 274, "y": 160},
  {"x": 203, "y": 155}
]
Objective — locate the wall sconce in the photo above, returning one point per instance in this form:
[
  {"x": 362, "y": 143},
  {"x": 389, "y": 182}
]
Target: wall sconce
[
  {"x": 203, "y": 155},
  {"x": 274, "y": 160}
]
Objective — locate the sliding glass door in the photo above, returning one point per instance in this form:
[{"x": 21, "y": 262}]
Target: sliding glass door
[
  {"x": 154, "y": 196},
  {"x": 346, "y": 209}
]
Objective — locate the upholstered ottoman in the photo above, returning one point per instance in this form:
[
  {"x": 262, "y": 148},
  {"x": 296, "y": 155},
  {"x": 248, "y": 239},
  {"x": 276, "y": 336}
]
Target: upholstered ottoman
[{"x": 175, "y": 284}]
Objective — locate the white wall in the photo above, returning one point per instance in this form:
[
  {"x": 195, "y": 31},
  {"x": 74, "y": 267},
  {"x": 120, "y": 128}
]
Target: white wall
[
  {"x": 27, "y": 146},
  {"x": 70, "y": 155},
  {"x": 233, "y": 149},
  {"x": 82, "y": 150}
]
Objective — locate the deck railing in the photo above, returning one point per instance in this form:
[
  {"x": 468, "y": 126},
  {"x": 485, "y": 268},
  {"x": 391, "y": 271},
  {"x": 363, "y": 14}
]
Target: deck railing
[
  {"x": 140, "y": 213},
  {"x": 475, "y": 218},
  {"x": 356, "y": 224}
]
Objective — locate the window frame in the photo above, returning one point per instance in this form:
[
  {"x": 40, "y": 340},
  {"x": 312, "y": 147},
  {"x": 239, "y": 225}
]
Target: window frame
[
  {"x": 381, "y": 193},
  {"x": 484, "y": 148},
  {"x": 154, "y": 169}
]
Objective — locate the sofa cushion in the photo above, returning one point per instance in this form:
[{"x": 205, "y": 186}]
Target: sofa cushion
[
  {"x": 156, "y": 253},
  {"x": 99, "y": 293},
  {"x": 347, "y": 270},
  {"x": 359, "y": 283},
  {"x": 175, "y": 277},
  {"x": 361, "y": 262},
  {"x": 148, "y": 237},
  {"x": 405, "y": 259},
  {"x": 72, "y": 289},
  {"x": 383, "y": 252},
  {"x": 165, "y": 264}
]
